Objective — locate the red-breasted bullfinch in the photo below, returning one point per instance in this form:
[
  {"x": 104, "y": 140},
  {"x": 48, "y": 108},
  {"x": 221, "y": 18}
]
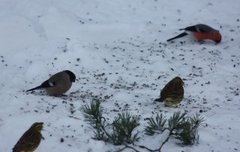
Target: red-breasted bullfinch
[{"x": 200, "y": 32}]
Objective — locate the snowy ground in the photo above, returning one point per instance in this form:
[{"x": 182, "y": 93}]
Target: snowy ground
[{"x": 118, "y": 51}]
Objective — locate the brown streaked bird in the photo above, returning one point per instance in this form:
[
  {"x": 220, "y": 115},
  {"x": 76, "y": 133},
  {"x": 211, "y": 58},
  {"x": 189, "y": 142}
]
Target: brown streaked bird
[
  {"x": 200, "y": 32},
  {"x": 30, "y": 140},
  {"x": 57, "y": 84},
  {"x": 172, "y": 93}
]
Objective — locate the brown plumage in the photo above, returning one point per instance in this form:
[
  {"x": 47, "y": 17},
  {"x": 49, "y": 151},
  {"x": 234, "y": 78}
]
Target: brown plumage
[
  {"x": 172, "y": 93},
  {"x": 57, "y": 84},
  {"x": 30, "y": 140}
]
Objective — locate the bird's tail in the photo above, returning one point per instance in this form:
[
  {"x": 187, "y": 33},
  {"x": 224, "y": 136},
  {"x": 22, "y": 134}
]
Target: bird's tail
[
  {"x": 158, "y": 100},
  {"x": 45, "y": 84},
  {"x": 38, "y": 87},
  {"x": 178, "y": 36}
]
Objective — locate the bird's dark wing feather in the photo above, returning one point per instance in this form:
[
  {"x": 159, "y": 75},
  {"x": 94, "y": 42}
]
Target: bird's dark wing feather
[
  {"x": 178, "y": 36},
  {"x": 191, "y": 29},
  {"x": 45, "y": 84},
  {"x": 199, "y": 28}
]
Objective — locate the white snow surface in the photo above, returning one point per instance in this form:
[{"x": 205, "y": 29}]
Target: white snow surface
[{"x": 118, "y": 51}]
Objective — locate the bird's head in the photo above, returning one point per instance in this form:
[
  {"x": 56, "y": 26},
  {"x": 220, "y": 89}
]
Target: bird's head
[
  {"x": 178, "y": 80},
  {"x": 71, "y": 75},
  {"x": 218, "y": 37},
  {"x": 38, "y": 126}
]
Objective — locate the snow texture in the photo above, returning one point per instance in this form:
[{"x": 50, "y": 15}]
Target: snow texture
[{"x": 119, "y": 53}]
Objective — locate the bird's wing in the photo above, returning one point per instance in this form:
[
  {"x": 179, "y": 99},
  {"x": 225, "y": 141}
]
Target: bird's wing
[
  {"x": 27, "y": 140},
  {"x": 199, "y": 28},
  {"x": 178, "y": 36}
]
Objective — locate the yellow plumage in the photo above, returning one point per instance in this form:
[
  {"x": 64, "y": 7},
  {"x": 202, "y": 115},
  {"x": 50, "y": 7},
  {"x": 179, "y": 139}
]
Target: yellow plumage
[
  {"x": 30, "y": 140},
  {"x": 172, "y": 93}
]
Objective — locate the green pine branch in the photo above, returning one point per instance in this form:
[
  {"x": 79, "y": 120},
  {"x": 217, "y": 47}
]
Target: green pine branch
[
  {"x": 119, "y": 132},
  {"x": 155, "y": 125},
  {"x": 187, "y": 131},
  {"x": 123, "y": 127},
  {"x": 179, "y": 125}
]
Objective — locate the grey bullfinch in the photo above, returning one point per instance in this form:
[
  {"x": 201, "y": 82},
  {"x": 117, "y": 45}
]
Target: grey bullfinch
[{"x": 57, "y": 84}]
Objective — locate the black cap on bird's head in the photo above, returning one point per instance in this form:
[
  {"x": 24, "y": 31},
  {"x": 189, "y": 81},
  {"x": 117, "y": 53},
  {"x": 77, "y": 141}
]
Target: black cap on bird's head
[{"x": 71, "y": 75}]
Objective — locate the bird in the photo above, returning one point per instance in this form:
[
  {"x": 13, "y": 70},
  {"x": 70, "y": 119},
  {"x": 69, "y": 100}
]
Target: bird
[
  {"x": 30, "y": 140},
  {"x": 57, "y": 84},
  {"x": 172, "y": 93},
  {"x": 200, "y": 32}
]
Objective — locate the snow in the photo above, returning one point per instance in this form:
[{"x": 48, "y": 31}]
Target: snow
[{"x": 118, "y": 51}]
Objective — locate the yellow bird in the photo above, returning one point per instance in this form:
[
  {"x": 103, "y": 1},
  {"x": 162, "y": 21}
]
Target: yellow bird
[
  {"x": 30, "y": 140},
  {"x": 172, "y": 93}
]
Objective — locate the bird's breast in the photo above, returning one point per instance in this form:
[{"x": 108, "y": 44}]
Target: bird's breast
[{"x": 203, "y": 36}]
